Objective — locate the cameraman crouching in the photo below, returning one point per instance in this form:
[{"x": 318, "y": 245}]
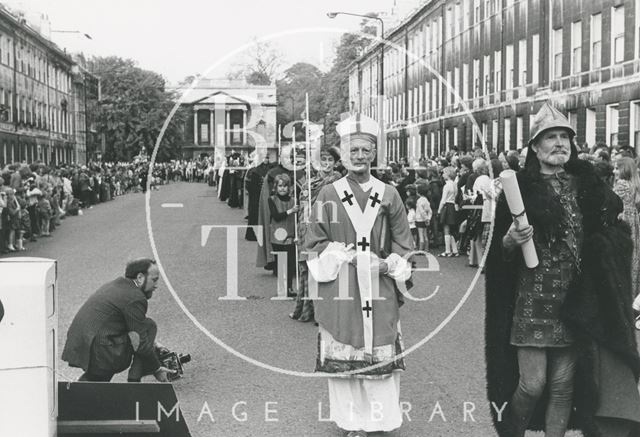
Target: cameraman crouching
[{"x": 112, "y": 328}]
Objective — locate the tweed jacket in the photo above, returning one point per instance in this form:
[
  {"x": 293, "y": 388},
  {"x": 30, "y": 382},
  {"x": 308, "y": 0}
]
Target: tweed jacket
[{"x": 107, "y": 317}]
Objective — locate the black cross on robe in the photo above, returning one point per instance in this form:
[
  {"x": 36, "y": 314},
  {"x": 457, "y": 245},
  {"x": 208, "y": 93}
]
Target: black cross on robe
[
  {"x": 363, "y": 244},
  {"x": 374, "y": 200},
  {"x": 347, "y": 198},
  {"x": 367, "y": 308}
]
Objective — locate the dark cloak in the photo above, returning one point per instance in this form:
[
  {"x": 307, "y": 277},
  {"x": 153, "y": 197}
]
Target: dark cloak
[
  {"x": 235, "y": 188},
  {"x": 225, "y": 185},
  {"x": 253, "y": 186},
  {"x": 597, "y": 309},
  {"x": 264, "y": 255}
]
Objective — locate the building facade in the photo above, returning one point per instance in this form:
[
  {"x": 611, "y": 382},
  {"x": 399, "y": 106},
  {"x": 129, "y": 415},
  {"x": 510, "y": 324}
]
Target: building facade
[
  {"x": 37, "y": 97},
  {"x": 460, "y": 72},
  {"x": 228, "y": 115}
]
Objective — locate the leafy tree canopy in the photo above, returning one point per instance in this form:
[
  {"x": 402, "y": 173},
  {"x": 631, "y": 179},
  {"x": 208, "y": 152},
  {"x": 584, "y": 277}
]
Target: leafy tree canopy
[{"x": 133, "y": 109}]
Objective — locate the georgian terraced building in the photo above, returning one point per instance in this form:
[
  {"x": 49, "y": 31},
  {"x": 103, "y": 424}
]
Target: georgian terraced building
[
  {"x": 497, "y": 62},
  {"x": 41, "y": 117}
]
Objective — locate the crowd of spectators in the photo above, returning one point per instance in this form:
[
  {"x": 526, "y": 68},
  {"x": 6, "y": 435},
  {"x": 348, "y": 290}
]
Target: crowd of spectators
[
  {"x": 35, "y": 198},
  {"x": 475, "y": 176}
]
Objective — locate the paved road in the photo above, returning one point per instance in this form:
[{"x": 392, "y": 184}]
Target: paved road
[{"x": 443, "y": 377}]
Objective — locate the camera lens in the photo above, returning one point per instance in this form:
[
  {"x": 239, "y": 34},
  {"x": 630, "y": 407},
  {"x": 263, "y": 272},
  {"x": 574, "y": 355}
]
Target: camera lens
[{"x": 185, "y": 358}]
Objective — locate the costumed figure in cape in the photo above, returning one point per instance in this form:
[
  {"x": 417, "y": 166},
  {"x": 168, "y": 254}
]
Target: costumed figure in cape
[
  {"x": 253, "y": 186},
  {"x": 323, "y": 175},
  {"x": 359, "y": 226},
  {"x": 560, "y": 343},
  {"x": 235, "y": 175},
  {"x": 264, "y": 255}
]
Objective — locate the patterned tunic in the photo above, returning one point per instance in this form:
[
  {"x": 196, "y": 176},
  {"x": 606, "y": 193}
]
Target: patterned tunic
[
  {"x": 630, "y": 215},
  {"x": 542, "y": 290}
]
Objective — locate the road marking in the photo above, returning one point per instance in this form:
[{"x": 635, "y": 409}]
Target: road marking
[{"x": 172, "y": 205}]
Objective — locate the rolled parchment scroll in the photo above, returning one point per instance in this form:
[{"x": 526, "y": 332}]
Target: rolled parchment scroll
[{"x": 516, "y": 206}]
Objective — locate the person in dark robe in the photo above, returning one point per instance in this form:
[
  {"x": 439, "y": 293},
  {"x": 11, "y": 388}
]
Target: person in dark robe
[
  {"x": 329, "y": 156},
  {"x": 253, "y": 185},
  {"x": 561, "y": 349},
  {"x": 225, "y": 181},
  {"x": 264, "y": 257},
  {"x": 235, "y": 175}
]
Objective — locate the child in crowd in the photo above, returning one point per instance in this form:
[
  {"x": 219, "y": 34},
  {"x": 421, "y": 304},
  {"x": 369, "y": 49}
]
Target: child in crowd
[
  {"x": 11, "y": 215},
  {"x": 410, "y": 204},
  {"x": 44, "y": 211},
  {"x": 282, "y": 227},
  {"x": 423, "y": 216},
  {"x": 447, "y": 211}
]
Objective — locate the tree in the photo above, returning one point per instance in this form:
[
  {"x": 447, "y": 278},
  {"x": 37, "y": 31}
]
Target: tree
[
  {"x": 133, "y": 110},
  {"x": 336, "y": 81},
  {"x": 260, "y": 64},
  {"x": 299, "y": 79}
]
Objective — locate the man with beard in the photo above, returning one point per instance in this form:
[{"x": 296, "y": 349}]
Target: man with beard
[
  {"x": 112, "y": 328},
  {"x": 359, "y": 224},
  {"x": 560, "y": 345}
]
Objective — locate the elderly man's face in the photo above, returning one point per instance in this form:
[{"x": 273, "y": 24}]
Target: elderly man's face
[
  {"x": 553, "y": 148},
  {"x": 361, "y": 153}
]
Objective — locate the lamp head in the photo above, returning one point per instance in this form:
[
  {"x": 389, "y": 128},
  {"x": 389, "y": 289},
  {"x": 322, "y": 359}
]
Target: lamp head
[{"x": 332, "y": 14}]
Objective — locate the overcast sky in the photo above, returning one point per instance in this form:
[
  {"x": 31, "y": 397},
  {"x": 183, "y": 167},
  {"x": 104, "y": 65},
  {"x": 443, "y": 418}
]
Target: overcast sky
[{"x": 185, "y": 37}]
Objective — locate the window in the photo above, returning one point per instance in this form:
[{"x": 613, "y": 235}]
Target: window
[
  {"x": 484, "y": 133},
  {"x": 487, "y": 75},
  {"x": 466, "y": 13},
  {"x": 449, "y": 24},
  {"x": 507, "y": 134},
  {"x": 519, "y": 133},
  {"x": 634, "y": 126},
  {"x": 456, "y": 85},
  {"x": 476, "y": 78},
  {"x": 477, "y": 12},
  {"x": 576, "y": 47},
  {"x": 612, "y": 125},
  {"x": 522, "y": 62},
  {"x": 535, "y": 58},
  {"x": 494, "y": 134},
  {"x": 465, "y": 81},
  {"x": 497, "y": 69},
  {"x": 617, "y": 34},
  {"x": 557, "y": 53},
  {"x": 449, "y": 83},
  {"x": 457, "y": 17},
  {"x": 509, "y": 66},
  {"x": 427, "y": 97},
  {"x": 427, "y": 40}
]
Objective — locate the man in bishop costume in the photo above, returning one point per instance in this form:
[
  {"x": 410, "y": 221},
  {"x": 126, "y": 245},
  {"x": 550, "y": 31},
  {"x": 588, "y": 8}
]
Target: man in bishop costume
[{"x": 358, "y": 226}]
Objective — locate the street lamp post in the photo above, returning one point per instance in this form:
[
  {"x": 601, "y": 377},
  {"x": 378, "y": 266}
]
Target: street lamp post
[
  {"x": 382, "y": 152},
  {"x": 86, "y": 35}
]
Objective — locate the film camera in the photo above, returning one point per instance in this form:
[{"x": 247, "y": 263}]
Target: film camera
[{"x": 173, "y": 361}]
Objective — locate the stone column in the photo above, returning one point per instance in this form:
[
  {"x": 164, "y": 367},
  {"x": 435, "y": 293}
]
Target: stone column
[
  {"x": 195, "y": 126},
  {"x": 211, "y": 128},
  {"x": 228, "y": 127},
  {"x": 244, "y": 126}
]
